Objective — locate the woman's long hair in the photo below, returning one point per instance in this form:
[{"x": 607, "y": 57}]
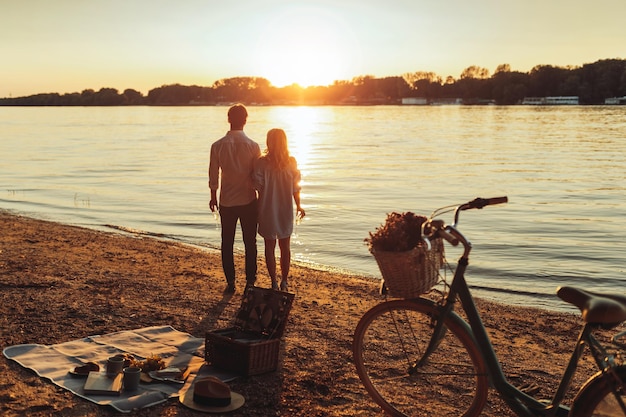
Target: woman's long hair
[{"x": 277, "y": 152}]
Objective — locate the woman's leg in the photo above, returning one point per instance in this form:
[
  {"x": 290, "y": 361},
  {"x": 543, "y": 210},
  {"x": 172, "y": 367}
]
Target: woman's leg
[
  {"x": 285, "y": 261},
  {"x": 270, "y": 260}
]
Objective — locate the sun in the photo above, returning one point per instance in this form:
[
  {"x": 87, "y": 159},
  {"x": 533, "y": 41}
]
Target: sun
[{"x": 305, "y": 46}]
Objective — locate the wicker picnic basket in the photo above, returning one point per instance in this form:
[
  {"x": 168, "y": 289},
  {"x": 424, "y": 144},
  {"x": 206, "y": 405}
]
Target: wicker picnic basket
[
  {"x": 410, "y": 273},
  {"x": 252, "y": 345}
]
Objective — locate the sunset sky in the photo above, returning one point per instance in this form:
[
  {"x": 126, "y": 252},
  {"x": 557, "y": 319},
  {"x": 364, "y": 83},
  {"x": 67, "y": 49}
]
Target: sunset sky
[{"x": 68, "y": 46}]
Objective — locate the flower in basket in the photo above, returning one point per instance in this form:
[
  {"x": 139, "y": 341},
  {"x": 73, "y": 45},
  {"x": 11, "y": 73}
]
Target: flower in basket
[{"x": 400, "y": 232}]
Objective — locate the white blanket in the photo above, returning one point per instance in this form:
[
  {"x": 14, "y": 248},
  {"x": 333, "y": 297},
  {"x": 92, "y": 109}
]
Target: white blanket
[{"x": 176, "y": 348}]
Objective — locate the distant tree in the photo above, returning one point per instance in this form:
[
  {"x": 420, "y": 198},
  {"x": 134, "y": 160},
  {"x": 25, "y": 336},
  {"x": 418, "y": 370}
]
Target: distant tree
[
  {"x": 424, "y": 84},
  {"x": 341, "y": 92},
  {"x": 412, "y": 77},
  {"x": 475, "y": 72},
  {"x": 393, "y": 88},
  {"x": 108, "y": 97},
  {"x": 509, "y": 87},
  {"x": 474, "y": 84},
  {"x": 569, "y": 86},
  {"x": 133, "y": 97},
  {"x": 71, "y": 99},
  {"x": 365, "y": 88},
  {"x": 259, "y": 90},
  {"x": 316, "y": 95},
  {"x": 238, "y": 88},
  {"x": 173, "y": 95},
  {"x": 546, "y": 79},
  {"x": 289, "y": 94},
  {"x": 87, "y": 97},
  {"x": 606, "y": 77},
  {"x": 503, "y": 68}
]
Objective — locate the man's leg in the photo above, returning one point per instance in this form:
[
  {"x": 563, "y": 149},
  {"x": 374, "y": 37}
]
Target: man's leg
[
  {"x": 228, "y": 216},
  {"x": 248, "y": 219}
]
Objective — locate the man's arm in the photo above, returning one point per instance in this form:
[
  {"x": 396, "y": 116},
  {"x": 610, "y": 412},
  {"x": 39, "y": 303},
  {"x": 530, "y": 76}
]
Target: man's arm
[{"x": 214, "y": 176}]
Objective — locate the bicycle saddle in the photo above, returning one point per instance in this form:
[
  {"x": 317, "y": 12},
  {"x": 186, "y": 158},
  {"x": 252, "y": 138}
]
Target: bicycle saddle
[{"x": 596, "y": 308}]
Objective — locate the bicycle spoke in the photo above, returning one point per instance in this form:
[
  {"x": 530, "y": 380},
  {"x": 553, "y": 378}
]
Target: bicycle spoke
[{"x": 391, "y": 339}]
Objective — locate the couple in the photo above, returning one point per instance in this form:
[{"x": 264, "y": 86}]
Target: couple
[{"x": 239, "y": 170}]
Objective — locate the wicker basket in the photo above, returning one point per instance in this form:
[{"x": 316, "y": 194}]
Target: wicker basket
[
  {"x": 242, "y": 352},
  {"x": 412, "y": 273},
  {"x": 252, "y": 345}
]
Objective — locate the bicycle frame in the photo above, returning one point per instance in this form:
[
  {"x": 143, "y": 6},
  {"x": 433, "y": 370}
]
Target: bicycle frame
[
  {"x": 520, "y": 402},
  {"x": 470, "y": 347}
]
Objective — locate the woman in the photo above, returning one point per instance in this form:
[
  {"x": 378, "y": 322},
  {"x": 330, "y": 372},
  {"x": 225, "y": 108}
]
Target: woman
[{"x": 277, "y": 179}]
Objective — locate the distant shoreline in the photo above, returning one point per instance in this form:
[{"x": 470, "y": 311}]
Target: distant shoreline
[{"x": 592, "y": 84}]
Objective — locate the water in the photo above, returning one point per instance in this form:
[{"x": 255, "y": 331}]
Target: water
[{"x": 145, "y": 169}]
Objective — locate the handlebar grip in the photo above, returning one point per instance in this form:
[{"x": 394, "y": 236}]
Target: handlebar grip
[
  {"x": 479, "y": 203},
  {"x": 497, "y": 200},
  {"x": 448, "y": 236}
]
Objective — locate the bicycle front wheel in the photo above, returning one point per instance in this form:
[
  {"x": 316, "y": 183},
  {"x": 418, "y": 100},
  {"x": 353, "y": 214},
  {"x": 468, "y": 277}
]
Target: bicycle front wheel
[
  {"x": 388, "y": 347},
  {"x": 599, "y": 396}
]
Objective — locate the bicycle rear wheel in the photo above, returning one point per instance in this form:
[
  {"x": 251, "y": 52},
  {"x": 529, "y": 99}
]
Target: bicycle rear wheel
[
  {"x": 596, "y": 398},
  {"x": 390, "y": 340}
]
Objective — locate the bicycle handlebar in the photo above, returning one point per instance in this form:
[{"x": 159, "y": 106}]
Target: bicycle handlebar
[
  {"x": 479, "y": 203},
  {"x": 449, "y": 233},
  {"x": 443, "y": 233}
]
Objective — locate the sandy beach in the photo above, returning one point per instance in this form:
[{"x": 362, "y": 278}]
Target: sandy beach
[{"x": 60, "y": 282}]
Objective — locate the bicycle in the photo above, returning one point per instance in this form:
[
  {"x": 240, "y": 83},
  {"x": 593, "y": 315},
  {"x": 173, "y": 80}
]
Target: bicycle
[{"x": 408, "y": 350}]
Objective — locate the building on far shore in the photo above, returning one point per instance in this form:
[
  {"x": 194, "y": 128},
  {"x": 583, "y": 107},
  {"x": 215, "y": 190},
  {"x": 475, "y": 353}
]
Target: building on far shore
[
  {"x": 446, "y": 101},
  {"x": 421, "y": 101},
  {"x": 551, "y": 101},
  {"x": 415, "y": 101},
  {"x": 615, "y": 100}
]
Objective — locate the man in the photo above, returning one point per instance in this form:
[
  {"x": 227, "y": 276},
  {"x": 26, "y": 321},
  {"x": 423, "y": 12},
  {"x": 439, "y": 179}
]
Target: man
[{"x": 230, "y": 170}]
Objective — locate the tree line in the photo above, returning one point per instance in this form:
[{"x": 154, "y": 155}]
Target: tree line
[{"x": 591, "y": 83}]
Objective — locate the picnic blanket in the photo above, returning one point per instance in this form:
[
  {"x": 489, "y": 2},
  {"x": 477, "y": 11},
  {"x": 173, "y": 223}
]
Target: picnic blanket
[{"x": 177, "y": 349}]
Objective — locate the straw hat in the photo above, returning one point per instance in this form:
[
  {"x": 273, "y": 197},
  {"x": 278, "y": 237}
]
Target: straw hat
[{"x": 211, "y": 395}]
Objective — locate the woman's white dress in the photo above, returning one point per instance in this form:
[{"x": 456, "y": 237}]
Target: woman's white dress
[{"x": 276, "y": 189}]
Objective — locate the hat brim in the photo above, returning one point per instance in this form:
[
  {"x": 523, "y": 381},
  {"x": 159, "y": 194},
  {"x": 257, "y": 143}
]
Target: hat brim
[{"x": 236, "y": 401}]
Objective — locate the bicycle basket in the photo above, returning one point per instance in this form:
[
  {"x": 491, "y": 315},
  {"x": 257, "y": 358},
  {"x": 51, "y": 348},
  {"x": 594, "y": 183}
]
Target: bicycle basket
[{"x": 412, "y": 273}]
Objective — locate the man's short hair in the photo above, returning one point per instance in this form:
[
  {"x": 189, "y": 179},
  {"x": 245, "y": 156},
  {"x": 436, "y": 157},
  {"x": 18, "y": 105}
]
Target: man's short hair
[{"x": 237, "y": 114}]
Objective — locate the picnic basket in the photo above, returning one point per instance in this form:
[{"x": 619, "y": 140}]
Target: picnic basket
[
  {"x": 252, "y": 345},
  {"x": 408, "y": 274}
]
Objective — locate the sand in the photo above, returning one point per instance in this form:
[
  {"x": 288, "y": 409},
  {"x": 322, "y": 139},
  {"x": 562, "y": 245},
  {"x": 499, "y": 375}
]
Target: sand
[{"x": 60, "y": 282}]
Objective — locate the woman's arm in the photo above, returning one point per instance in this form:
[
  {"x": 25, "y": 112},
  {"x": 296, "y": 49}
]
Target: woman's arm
[{"x": 299, "y": 210}]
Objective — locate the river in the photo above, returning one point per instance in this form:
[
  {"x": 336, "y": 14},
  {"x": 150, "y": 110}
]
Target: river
[{"x": 145, "y": 169}]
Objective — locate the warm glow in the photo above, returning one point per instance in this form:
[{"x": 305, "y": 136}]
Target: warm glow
[
  {"x": 306, "y": 128},
  {"x": 301, "y": 125},
  {"x": 305, "y": 46}
]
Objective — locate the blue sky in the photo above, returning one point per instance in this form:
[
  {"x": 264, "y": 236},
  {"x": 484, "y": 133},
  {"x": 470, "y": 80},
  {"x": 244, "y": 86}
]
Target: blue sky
[{"x": 70, "y": 45}]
